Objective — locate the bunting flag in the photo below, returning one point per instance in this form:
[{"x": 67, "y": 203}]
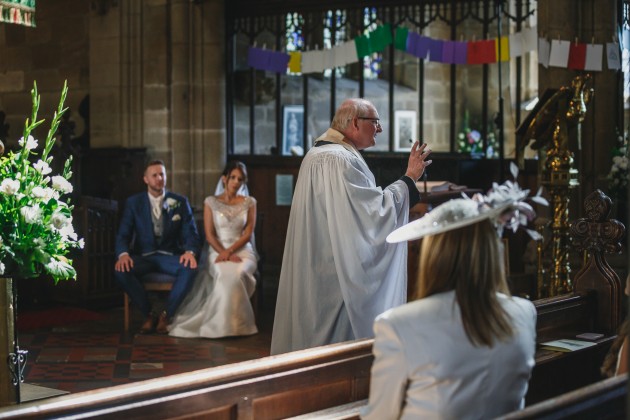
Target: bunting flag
[
  {"x": 557, "y": 53},
  {"x": 400, "y": 38},
  {"x": 20, "y": 12},
  {"x": 436, "y": 47},
  {"x": 502, "y": 46},
  {"x": 362, "y": 44},
  {"x": 517, "y": 44},
  {"x": 577, "y": 56},
  {"x": 482, "y": 52},
  {"x": 262, "y": 59},
  {"x": 613, "y": 56},
  {"x": 295, "y": 62},
  {"x": 593, "y": 60},
  {"x": 544, "y": 49},
  {"x": 381, "y": 38}
]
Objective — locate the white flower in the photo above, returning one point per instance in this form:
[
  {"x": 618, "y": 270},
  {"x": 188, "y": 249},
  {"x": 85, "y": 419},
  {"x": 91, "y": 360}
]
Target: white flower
[
  {"x": 42, "y": 167},
  {"x": 81, "y": 243},
  {"x": 44, "y": 193},
  {"x": 61, "y": 184},
  {"x": 31, "y": 214},
  {"x": 68, "y": 232},
  {"x": 9, "y": 186},
  {"x": 31, "y": 143},
  {"x": 1, "y": 268},
  {"x": 172, "y": 203},
  {"x": 59, "y": 221}
]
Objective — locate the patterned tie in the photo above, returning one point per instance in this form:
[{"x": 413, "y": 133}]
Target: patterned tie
[{"x": 157, "y": 211}]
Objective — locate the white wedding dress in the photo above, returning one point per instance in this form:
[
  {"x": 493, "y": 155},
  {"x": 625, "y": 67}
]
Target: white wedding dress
[{"x": 218, "y": 304}]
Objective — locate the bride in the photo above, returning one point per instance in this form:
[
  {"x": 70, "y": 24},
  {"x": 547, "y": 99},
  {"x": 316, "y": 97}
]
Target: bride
[{"x": 218, "y": 304}]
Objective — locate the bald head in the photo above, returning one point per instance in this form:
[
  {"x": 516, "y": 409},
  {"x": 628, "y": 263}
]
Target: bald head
[
  {"x": 350, "y": 108},
  {"x": 358, "y": 120}
]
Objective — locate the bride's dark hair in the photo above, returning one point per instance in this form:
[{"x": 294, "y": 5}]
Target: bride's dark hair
[{"x": 235, "y": 164}]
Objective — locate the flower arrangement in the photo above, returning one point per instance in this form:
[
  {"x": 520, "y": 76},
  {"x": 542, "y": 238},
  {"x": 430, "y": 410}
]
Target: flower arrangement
[
  {"x": 618, "y": 175},
  {"x": 35, "y": 222},
  {"x": 470, "y": 141}
]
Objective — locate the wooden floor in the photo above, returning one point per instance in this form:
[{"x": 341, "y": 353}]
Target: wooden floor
[{"x": 79, "y": 355}]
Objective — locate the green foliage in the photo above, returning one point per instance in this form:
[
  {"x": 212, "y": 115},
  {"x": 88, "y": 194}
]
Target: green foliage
[{"x": 35, "y": 221}]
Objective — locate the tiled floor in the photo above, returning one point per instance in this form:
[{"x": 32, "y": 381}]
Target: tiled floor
[{"x": 95, "y": 354}]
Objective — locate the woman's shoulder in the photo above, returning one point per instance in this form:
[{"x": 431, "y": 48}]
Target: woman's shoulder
[
  {"x": 517, "y": 306},
  {"x": 211, "y": 200},
  {"x": 428, "y": 307},
  {"x": 249, "y": 200}
]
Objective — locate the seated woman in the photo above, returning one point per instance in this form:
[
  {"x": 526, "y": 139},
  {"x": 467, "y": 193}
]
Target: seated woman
[
  {"x": 464, "y": 349},
  {"x": 219, "y": 305},
  {"x": 616, "y": 361}
]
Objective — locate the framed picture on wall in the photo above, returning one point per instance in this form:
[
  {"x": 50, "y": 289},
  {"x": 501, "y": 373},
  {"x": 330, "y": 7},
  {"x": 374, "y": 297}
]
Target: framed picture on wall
[
  {"x": 404, "y": 130},
  {"x": 293, "y": 130}
]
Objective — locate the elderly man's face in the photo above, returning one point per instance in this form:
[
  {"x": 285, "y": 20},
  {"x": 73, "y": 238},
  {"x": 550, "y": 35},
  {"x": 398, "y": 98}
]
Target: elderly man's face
[{"x": 369, "y": 126}]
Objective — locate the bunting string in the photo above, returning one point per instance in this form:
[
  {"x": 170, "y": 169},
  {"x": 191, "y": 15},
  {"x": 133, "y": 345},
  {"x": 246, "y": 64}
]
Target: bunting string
[{"x": 554, "y": 53}]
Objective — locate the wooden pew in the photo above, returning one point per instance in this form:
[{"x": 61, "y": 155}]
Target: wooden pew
[
  {"x": 603, "y": 399},
  {"x": 309, "y": 380},
  {"x": 557, "y": 372},
  {"x": 271, "y": 387}
]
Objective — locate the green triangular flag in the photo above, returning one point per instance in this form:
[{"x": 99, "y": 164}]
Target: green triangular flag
[{"x": 400, "y": 42}]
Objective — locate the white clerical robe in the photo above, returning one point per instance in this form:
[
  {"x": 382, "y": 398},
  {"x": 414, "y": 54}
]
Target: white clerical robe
[{"x": 338, "y": 272}]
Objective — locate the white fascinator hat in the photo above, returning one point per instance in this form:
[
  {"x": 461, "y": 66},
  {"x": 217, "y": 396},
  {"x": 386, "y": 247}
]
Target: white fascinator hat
[{"x": 504, "y": 206}]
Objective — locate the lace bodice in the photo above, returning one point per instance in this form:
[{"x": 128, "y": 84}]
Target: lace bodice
[{"x": 229, "y": 220}]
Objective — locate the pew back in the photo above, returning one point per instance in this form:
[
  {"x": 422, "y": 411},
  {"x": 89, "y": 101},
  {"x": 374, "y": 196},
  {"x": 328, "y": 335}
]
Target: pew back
[
  {"x": 271, "y": 387},
  {"x": 309, "y": 380}
]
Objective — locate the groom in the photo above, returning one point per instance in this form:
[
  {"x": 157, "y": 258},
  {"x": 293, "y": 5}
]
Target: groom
[{"x": 157, "y": 234}]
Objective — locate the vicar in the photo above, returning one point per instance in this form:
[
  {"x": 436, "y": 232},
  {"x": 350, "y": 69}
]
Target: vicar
[
  {"x": 338, "y": 272},
  {"x": 164, "y": 234}
]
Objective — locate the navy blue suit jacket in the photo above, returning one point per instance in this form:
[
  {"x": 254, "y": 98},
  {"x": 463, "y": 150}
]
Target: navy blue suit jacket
[{"x": 136, "y": 227}]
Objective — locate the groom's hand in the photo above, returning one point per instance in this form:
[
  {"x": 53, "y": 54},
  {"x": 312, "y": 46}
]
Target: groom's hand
[
  {"x": 188, "y": 260},
  {"x": 124, "y": 263}
]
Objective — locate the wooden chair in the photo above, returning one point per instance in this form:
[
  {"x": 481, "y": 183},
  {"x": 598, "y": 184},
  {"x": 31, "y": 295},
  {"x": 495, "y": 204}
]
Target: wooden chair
[{"x": 153, "y": 282}]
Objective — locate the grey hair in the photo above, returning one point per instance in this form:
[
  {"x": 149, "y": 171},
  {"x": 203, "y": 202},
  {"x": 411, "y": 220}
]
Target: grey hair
[{"x": 349, "y": 109}]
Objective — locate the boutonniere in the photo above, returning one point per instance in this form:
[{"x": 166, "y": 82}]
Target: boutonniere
[
  {"x": 176, "y": 218},
  {"x": 171, "y": 204}
]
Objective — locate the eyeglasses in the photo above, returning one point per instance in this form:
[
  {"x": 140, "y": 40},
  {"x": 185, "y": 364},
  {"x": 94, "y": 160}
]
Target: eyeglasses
[{"x": 375, "y": 121}]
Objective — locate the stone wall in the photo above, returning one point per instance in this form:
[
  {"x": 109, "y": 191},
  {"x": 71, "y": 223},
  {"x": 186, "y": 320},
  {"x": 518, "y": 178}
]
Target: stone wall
[
  {"x": 56, "y": 50},
  {"x": 153, "y": 71}
]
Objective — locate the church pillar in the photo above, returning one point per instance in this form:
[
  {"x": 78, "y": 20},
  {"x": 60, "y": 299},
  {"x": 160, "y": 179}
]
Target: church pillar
[{"x": 587, "y": 21}]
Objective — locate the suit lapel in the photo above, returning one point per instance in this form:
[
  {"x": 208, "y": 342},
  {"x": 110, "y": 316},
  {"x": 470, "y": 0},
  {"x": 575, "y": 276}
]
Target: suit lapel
[
  {"x": 145, "y": 212},
  {"x": 167, "y": 214}
]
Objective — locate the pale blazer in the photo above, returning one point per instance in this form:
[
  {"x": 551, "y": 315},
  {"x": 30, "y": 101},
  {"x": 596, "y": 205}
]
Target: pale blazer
[{"x": 426, "y": 367}]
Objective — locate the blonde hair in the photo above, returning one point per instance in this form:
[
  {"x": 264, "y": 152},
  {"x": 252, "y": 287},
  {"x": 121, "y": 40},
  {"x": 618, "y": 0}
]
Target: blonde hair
[{"x": 469, "y": 261}]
